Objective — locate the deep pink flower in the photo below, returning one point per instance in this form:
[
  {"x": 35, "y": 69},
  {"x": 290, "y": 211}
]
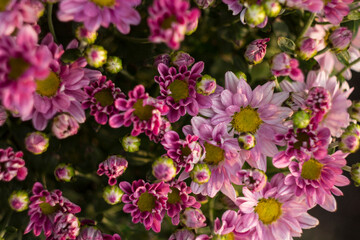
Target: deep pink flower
[
  {"x": 178, "y": 90},
  {"x": 146, "y": 202},
  {"x": 114, "y": 166},
  {"x": 169, "y": 20},
  {"x": 12, "y": 165},
  {"x": 64, "y": 125},
  {"x": 96, "y": 13},
  {"x": 66, "y": 227},
  {"x": 336, "y": 10},
  {"x": 165, "y": 126},
  {"x": 283, "y": 65}
]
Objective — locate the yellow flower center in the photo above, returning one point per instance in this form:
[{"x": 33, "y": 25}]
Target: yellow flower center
[
  {"x": 247, "y": 120},
  {"x": 3, "y": 4},
  {"x": 311, "y": 169},
  {"x": 142, "y": 112},
  {"x": 174, "y": 196},
  {"x": 18, "y": 67},
  {"x": 46, "y": 208},
  {"x": 214, "y": 155},
  {"x": 49, "y": 86},
  {"x": 104, "y": 3},
  {"x": 179, "y": 90},
  {"x": 229, "y": 236},
  {"x": 104, "y": 97},
  {"x": 146, "y": 202},
  {"x": 186, "y": 151},
  {"x": 269, "y": 210},
  {"x": 166, "y": 24}
]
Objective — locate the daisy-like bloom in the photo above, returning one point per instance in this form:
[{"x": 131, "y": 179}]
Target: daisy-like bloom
[
  {"x": 12, "y": 165},
  {"x": 188, "y": 235},
  {"x": 277, "y": 212},
  {"x": 142, "y": 111},
  {"x": 185, "y": 152},
  {"x": 36, "y": 142},
  {"x": 257, "y": 111},
  {"x": 283, "y": 65},
  {"x": 19, "y": 201},
  {"x": 178, "y": 200},
  {"x": 96, "y": 13},
  {"x": 336, "y": 10},
  {"x": 169, "y": 20},
  {"x": 164, "y": 128},
  {"x": 193, "y": 218},
  {"x": 101, "y": 98},
  {"x": 178, "y": 90},
  {"x": 66, "y": 226},
  {"x": 318, "y": 179},
  {"x": 114, "y": 166},
  {"x": 64, "y": 125},
  {"x": 43, "y": 208},
  {"x": 14, "y": 14},
  {"x": 146, "y": 202},
  {"x": 254, "y": 180},
  {"x": 22, "y": 62},
  {"x": 221, "y": 156}
]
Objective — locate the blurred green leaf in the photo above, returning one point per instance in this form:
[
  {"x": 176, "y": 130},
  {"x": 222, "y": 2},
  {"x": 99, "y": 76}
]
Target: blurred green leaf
[{"x": 286, "y": 44}]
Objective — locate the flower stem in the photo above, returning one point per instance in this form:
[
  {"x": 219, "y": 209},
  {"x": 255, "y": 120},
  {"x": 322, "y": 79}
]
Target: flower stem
[
  {"x": 307, "y": 26},
  {"x": 348, "y": 66},
  {"x": 322, "y": 51},
  {"x": 211, "y": 212},
  {"x": 50, "y": 22}
]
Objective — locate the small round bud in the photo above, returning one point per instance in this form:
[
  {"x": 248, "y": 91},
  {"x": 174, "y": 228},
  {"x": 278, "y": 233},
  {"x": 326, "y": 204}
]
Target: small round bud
[
  {"x": 355, "y": 111},
  {"x": 64, "y": 172},
  {"x": 307, "y": 48},
  {"x": 182, "y": 58},
  {"x": 200, "y": 173},
  {"x": 353, "y": 129},
  {"x": 246, "y": 141},
  {"x": 241, "y": 75},
  {"x": 256, "y": 50},
  {"x": 340, "y": 39},
  {"x": 163, "y": 58},
  {"x": 64, "y": 126},
  {"x": 255, "y": 14},
  {"x": 36, "y": 142},
  {"x": 355, "y": 174},
  {"x": 83, "y": 35},
  {"x": 193, "y": 218},
  {"x": 112, "y": 195},
  {"x": 206, "y": 85},
  {"x": 349, "y": 142},
  {"x": 164, "y": 169},
  {"x": 96, "y": 56},
  {"x": 114, "y": 65},
  {"x": 272, "y": 8},
  {"x": 131, "y": 143},
  {"x": 19, "y": 201},
  {"x": 301, "y": 119}
]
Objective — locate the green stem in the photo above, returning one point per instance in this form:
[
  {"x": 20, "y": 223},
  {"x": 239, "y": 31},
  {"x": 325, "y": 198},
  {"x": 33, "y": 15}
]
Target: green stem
[
  {"x": 348, "y": 66},
  {"x": 211, "y": 212},
  {"x": 322, "y": 51},
  {"x": 307, "y": 26},
  {"x": 346, "y": 168},
  {"x": 50, "y": 22}
]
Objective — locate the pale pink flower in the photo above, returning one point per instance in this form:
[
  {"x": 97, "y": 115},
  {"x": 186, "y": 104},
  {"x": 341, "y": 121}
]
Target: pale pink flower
[
  {"x": 336, "y": 10},
  {"x": 283, "y": 65},
  {"x": 64, "y": 125},
  {"x": 193, "y": 218}
]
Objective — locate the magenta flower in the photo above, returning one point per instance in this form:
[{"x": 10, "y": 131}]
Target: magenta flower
[
  {"x": 234, "y": 5},
  {"x": 193, "y": 218},
  {"x": 64, "y": 126},
  {"x": 90, "y": 233},
  {"x": 256, "y": 50},
  {"x": 255, "y": 180},
  {"x": 146, "y": 202},
  {"x": 36, "y": 142},
  {"x": 142, "y": 111},
  {"x": 101, "y": 98},
  {"x": 283, "y": 65},
  {"x": 96, "y": 13},
  {"x": 66, "y": 226},
  {"x": 44, "y": 207},
  {"x": 12, "y": 165},
  {"x": 178, "y": 90},
  {"x": 113, "y": 167},
  {"x": 169, "y": 20},
  {"x": 165, "y": 126},
  {"x": 336, "y": 10},
  {"x": 318, "y": 178},
  {"x": 178, "y": 200},
  {"x": 277, "y": 212}
]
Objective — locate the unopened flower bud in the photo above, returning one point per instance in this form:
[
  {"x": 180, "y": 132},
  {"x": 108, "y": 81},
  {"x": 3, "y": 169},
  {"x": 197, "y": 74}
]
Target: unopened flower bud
[
  {"x": 193, "y": 218},
  {"x": 355, "y": 111},
  {"x": 64, "y": 173},
  {"x": 3, "y": 115},
  {"x": 36, "y": 142},
  {"x": 355, "y": 174},
  {"x": 96, "y": 56},
  {"x": 256, "y": 50},
  {"x": 182, "y": 58},
  {"x": 307, "y": 48},
  {"x": 241, "y": 75},
  {"x": 84, "y": 35},
  {"x": 112, "y": 195},
  {"x": 301, "y": 119},
  {"x": 206, "y": 85},
  {"x": 90, "y": 233},
  {"x": 64, "y": 126},
  {"x": 353, "y": 129},
  {"x": 131, "y": 143},
  {"x": 349, "y": 143},
  {"x": 255, "y": 14},
  {"x": 114, "y": 65},
  {"x": 340, "y": 39},
  {"x": 113, "y": 167},
  {"x": 163, "y": 58},
  {"x": 164, "y": 169},
  {"x": 204, "y": 3},
  {"x": 200, "y": 173},
  {"x": 246, "y": 141},
  {"x": 19, "y": 201},
  {"x": 272, "y": 8}
]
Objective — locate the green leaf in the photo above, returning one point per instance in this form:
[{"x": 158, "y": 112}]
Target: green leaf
[
  {"x": 343, "y": 57},
  {"x": 353, "y": 15},
  {"x": 286, "y": 44},
  {"x": 71, "y": 55}
]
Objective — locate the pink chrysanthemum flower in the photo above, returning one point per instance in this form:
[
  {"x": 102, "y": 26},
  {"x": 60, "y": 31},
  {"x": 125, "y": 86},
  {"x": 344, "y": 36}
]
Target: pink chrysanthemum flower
[
  {"x": 169, "y": 20},
  {"x": 336, "y": 10},
  {"x": 14, "y": 14},
  {"x": 254, "y": 180},
  {"x": 178, "y": 90},
  {"x": 12, "y": 165},
  {"x": 221, "y": 156},
  {"x": 101, "y": 98},
  {"x": 310, "y": 5},
  {"x": 64, "y": 125},
  {"x": 146, "y": 202},
  {"x": 43, "y": 208},
  {"x": 278, "y": 213},
  {"x": 283, "y": 65},
  {"x": 164, "y": 128},
  {"x": 318, "y": 178},
  {"x": 22, "y": 63},
  {"x": 114, "y": 166},
  {"x": 96, "y": 13},
  {"x": 178, "y": 200},
  {"x": 142, "y": 111},
  {"x": 185, "y": 153},
  {"x": 257, "y": 111},
  {"x": 90, "y": 233},
  {"x": 66, "y": 227}
]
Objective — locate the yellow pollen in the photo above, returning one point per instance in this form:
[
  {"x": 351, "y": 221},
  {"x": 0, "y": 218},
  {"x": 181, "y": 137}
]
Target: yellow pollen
[
  {"x": 104, "y": 97},
  {"x": 311, "y": 169},
  {"x": 166, "y": 24},
  {"x": 146, "y": 202},
  {"x": 229, "y": 236},
  {"x": 3, "y": 5},
  {"x": 104, "y": 3},
  {"x": 174, "y": 196},
  {"x": 49, "y": 86},
  {"x": 46, "y": 208},
  {"x": 214, "y": 155},
  {"x": 268, "y": 210},
  {"x": 247, "y": 120},
  {"x": 18, "y": 67},
  {"x": 179, "y": 90},
  {"x": 142, "y": 112}
]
